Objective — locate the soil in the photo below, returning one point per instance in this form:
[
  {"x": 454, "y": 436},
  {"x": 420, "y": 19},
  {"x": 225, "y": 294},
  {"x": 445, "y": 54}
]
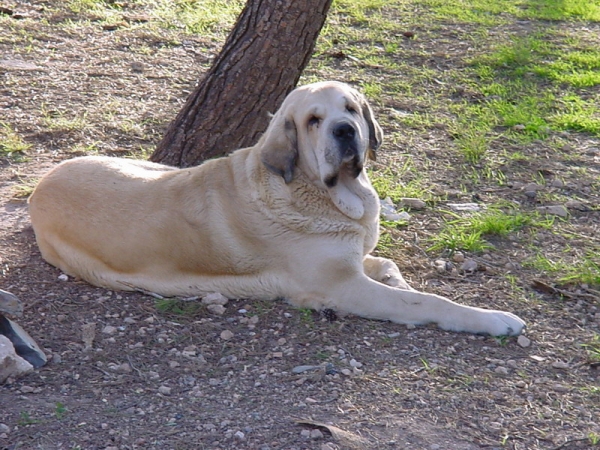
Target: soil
[{"x": 128, "y": 371}]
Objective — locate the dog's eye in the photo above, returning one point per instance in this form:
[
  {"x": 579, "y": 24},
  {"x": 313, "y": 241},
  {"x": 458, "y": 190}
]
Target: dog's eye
[
  {"x": 313, "y": 120},
  {"x": 350, "y": 109}
]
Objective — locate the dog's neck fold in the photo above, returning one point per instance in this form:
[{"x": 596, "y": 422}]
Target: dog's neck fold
[{"x": 350, "y": 194}]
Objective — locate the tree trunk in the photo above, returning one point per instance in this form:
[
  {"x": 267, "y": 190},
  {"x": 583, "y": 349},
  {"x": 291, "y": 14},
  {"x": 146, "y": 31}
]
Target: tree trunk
[{"x": 260, "y": 63}]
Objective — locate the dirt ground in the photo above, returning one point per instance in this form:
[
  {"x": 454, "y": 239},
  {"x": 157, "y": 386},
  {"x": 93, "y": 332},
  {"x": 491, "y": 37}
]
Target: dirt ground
[{"x": 148, "y": 378}]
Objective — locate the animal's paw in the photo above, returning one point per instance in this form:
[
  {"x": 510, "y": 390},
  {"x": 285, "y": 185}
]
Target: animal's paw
[{"x": 501, "y": 323}]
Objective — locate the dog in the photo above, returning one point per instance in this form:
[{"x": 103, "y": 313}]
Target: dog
[{"x": 293, "y": 217}]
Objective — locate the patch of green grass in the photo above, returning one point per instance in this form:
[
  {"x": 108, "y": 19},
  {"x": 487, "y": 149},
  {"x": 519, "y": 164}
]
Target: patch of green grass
[
  {"x": 495, "y": 12},
  {"x": 26, "y": 419},
  {"x": 469, "y": 232},
  {"x": 578, "y": 114},
  {"x": 178, "y": 307},
  {"x": 60, "y": 410},
  {"x": 191, "y": 16},
  {"x": 11, "y": 144},
  {"x": 57, "y": 121},
  {"x": 390, "y": 183},
  {"x": 198, "y": 16},
  {"x": 593, "y": 348},
  {"x": 577, "y": 269},
  {"x": 25, "y": 187}
]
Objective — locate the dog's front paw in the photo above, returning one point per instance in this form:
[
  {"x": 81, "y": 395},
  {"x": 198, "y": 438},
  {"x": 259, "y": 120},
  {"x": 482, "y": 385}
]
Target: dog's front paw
[{"x": 501, "y": 323}]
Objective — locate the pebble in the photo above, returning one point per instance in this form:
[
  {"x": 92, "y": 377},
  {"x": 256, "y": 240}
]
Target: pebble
[
  {"x": 164, "y": 390},
  {"x": 63, "y": 277},
  {"x": 469, "y": 265},
  {"x": 226, "y": 335},
  {"x": 470, "y": 207},
  {"x": 500, "y": 370},
  {"x": 523, "y": 341},
  {"x": 560, "y": 365},
  {"x": 575, "y": 204},
  {"x": 440, "y": 265},
  {"x": 218, "y": 310},
  {"x": 413, "y": 203},
  {"x": 458, "y": 257},
  {"x": 560, "y": 388},
  {"x": 214, "y": 298},
  {"x": 554, "y": 210},
  {"x": 316, "y": 434},
  {"x": 108, "y": 329},
  {"x": 239, "y": 435},
  {"x": 354, "y": 363}
]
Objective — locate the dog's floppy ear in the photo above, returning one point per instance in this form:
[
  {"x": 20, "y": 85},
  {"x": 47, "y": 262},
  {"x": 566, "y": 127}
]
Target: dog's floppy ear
[
  {"x": 375, "y": 131},
  {"x": 279, "y": 151}
]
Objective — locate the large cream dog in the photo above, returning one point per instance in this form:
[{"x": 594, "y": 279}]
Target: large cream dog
[{"x": 293, "y": 217}]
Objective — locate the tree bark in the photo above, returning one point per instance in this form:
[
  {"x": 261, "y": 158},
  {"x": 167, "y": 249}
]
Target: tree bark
[{"x": 260, "y": 63}]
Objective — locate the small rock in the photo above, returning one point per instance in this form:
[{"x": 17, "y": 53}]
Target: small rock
[
  {"x": 4, "y": 428},
  {"x": 214, "y": 298},
  {"x": 239, "y": 435},
  {"x": 164, "y": 390},
  {"x": 560, "y": 388},
  {"x": 302, "y": 369},
  {"x": 355, "y": 363},
  {"x": 305, "y": 434},
  {"x": 11, "y": 364},
  {"x": 413, "y": 203},
  {"x": 316, "y": 434},
  {"x": 555, "y": 210},
  {"x": 560, "y": 365},
  {"x": 346, "y": 372},
  {"x": 88, "y": 334},
  {"x": 440, "y": 265},
  {"x": 500, "y": 370},
  {"x": 469, "y": 266},
  {"x": 518, "y": 127},
  {"x": 470, "y": 207},
  {"x": 577, "y": 205},
  {"x": 108, "y": 329},
  {"x": 226, "y": 335},
  {"x": 218, "y": 310},
  {"x": 523, "y": 341},
  {"x": 458, "y": 257},
  {"x": 557, "y": 183},
  {"x": 63, "y": 277}
]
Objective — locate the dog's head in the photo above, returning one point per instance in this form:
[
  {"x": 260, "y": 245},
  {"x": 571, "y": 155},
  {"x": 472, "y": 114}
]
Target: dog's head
[{"x": 327, "y": 130}]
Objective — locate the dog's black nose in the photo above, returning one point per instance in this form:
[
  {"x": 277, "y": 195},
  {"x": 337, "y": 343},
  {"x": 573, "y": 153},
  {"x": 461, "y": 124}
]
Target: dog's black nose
[{"x": 344, "y": 132}]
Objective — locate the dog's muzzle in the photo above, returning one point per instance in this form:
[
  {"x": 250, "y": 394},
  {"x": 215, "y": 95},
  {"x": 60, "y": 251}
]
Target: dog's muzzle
[{"x": 350, "y": 160}]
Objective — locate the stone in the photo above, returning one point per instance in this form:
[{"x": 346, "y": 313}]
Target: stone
[
  {"x": 164, "y": 390},
  {"x": 316, "y": 434},
  {"x": 413, "y": 203},
  {"x": 214, "y": 298},
  {"x": 554, "y": 210},
  {"x": 458, "y": 257},
  {"x": 218, "y": 310},
  {"x": 440, "y": 265},
  {"x": 560, "y": 365},
  {"x": 23, "y": 344},
  {"x": 226, "y": 335},
  {"x": 11, "y": 364},
  {"x": 10, "y": 304},
  {"x": 469, "y": 265},
  {"x": 88, "y": 333},
  {"x": 109, "y": 329},
  {"x": 470, "y": 207},
  {"x": 523, "y": 341}
]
